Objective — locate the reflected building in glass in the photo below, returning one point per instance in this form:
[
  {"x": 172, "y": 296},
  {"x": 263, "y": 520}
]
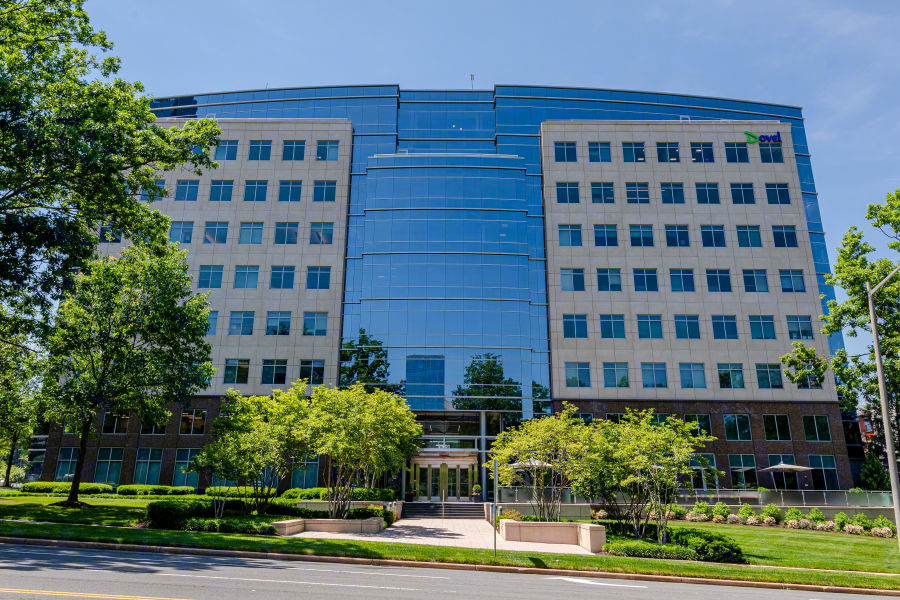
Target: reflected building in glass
[{"x": 492, "y": 254}]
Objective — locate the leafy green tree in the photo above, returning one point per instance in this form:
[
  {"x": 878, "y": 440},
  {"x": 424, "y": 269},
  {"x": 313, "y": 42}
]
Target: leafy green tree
[
  {"x": 264, "y": 435},
  {"x": 19, "y": 386},
  {"x": 485, "y": 387},
  {"x": 219, "y": 462},
  {"x": 543, "y": 454},
  {"x": 129, "y": 338},
  {"x": 77, "y": 145},
  {"x": 873, "y": 475},
  {"x": 365, "y": 360},
  {"x": 360, "y": 432}
]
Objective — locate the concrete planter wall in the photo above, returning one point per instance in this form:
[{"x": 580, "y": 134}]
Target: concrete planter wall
[
  {"x": 588, "y": 536},
  {"x": 395, "y": 507},
  {"x": 292, "y": 526},
  {"x": 566, "y": 511}
]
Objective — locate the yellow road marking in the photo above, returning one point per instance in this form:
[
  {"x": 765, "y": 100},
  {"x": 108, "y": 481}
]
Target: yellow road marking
[{"x": 82, "y": 595}]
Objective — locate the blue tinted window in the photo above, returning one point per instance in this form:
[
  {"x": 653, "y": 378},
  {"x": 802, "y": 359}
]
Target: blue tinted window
[
  {"x": 220, "y": 190},
  {"x": 637, "y": 193},
  {"x": 672, "y": 193},
  {"x": 612, "y": 326},
  {"x": 799, "y": 327},
  {"x": 770, "y": 153},
  {"x": 226, "y": 150},
  {"x": 260, "y": 150},
  {"x": 289, "y": 191},
  {"x": 731, "y": 376},
  {"x": 609, "y": 280},
  {"x": 736, "y": 152},
  {"x": 246, "y": 276},
  {"x": 718, "y": 280},
  {"x": 293, "y": 150},
  {"x": 215, "y": 232},
  {"x": 148, "y": 195},
  {"x": 313, "y": 371},
  {"x": 724, "y": 327},
  {"x": 255, "y": 190},
  {"x": 578, "y": 374},
  {"x": 567, "y": 192},
  {"x": 605, "y": 235},
  {"x": 645, "y": 280},
  {"x": 682, "y": 280},
  {"x": 687, "y": 327},
  {"x": 318, "y": 278},
  {"x": 321, "y": 233},
  {"x": 677, "y": 236},
  {"x": 707, "y": 193},
  {"x": 602, "y": 192},
  {"x": 572, "y": 280},
  {"x": 667, "y": 152},
  {"x": 768, "y": 376},
  {"x": 785, "y": 236},
  {"x": 641, "y": 235},
  {"x": 274, "y": 372},
  {"x": 327, "y": 150},
  {"x": 241, "y": 323},
  {"x": 315, "y": 323},
  {"x": 701, "y": 152},
  {"x": 615, "y": 374},
  {"x": 599, "y": 152},
  {"x": 575, "y": 326},
  {"x": 742, "y": 193},
  {"x": 565, "y": 152},
  {"x": 792, "y": 280},
  {"x": 748, "y": 236},
  {"x": 210, "y": 277},
  {"x": 186, "y": 190},
  {"x": 692, "y": 375},
  {"x": 324, "y": 191},
  {"x": 570, "y": 235},
  {"x": 286, "y": 233},
  {"x": 251, "y": 233},
  {"x": 762, "y": 327},
  {"x": 282, "y": 278},
  {"x": 633, "y": 152},
  {"x": 653, "y": 375},
  {"x": 755, "y": 280},
  {"x": 212, "y": 321},
  {"x": 650, "y": 327},
  {"x": 713, "y": 236},
  {"x": 278, "y": 323},
  {"x": 181, "y": 232},
  {"x": 777, "y": 193}
]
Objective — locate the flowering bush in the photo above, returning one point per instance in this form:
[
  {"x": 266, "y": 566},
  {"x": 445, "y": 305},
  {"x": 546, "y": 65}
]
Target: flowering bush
[
  {"x": 840, "y": 520},
  {"x": 746, "y": 511},
  {"x": 881, "y": 522},
  {"x": 701, "y": 508},
  {"x": 825, "y": 526},
  {"x": 862, "y": 520},
  {"x": 692, "y": 516},
  {"x": 816, "y": 515},
  {"x": 770, "y": 510},
  {"x": 734, "y": 519},
  {"x": 804, "y": 524},
  {"x": 718, "y": 519},
  {"x": 793, "y": 514},
  {"x": 720, "y": 508},
  {"x": 753, "y": 520},
  {"x": 854, "y": 529},
  {"x": 882, "y": 532},
  {"x": 769, "y": 520},
  {"x": 792, "y": 524},
  {"x": 599, "y": 514}
]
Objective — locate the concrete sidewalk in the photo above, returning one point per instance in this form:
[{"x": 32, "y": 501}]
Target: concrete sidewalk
[{"x": 462, "y": 533}]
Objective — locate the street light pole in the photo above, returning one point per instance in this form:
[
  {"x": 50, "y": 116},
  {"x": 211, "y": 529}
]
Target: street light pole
[{"x": 882, "y": 390}]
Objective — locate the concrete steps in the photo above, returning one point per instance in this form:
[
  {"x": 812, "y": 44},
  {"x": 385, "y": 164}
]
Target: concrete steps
[{"x": 450, "y": 510}]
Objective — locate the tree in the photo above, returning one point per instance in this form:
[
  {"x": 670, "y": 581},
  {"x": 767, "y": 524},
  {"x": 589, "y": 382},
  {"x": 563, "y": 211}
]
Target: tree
[
  {"x": 128, "y": 338},
  {"x": 263, "y": 436},
  {"x": 873, "y": 475},
  {"x": 364, "y": 360},
  {"x": 486, "y": 387},
  {"x": 77, "y": 145},
  {"x": 360, "y": 432},
  {"x": 219, "y": 462},
  {"x": 805, "y": 368},
  {"x": 543, "y": 454},
  {"x": 19, "y": 384}
]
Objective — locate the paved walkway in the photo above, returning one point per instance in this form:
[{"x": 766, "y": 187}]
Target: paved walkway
[{"x": 463, "y": 533}]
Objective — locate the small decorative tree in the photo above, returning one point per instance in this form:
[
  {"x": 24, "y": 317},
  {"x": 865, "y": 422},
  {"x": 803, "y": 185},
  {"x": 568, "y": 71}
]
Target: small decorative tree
[{"x": 543, "y": 454}]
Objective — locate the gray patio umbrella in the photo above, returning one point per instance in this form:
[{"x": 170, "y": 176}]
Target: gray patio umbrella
[
  {"x": 785, "y": 467},
  {"x": 531, "y": 463}
]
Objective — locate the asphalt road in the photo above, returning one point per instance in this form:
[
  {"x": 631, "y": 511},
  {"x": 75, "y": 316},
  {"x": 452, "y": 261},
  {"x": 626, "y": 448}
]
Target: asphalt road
[{"x": 29, "y": 572}]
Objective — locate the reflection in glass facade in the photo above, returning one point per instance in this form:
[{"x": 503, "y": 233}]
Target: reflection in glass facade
[{"x": 445, "y": 254}]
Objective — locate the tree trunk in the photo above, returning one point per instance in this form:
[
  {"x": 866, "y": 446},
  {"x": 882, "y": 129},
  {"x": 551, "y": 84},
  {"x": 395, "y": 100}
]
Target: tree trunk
[
  {"x": 79, "y": 464},
  {"x": 9, "y": 460}
]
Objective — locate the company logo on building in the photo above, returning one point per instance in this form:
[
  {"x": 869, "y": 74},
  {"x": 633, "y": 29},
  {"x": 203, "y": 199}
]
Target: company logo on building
[{"x": 773, "y": 138}]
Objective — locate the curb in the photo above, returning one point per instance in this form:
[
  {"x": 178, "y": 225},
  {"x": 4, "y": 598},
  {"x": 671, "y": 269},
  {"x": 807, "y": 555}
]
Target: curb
[{"x": 386, "y": 562}]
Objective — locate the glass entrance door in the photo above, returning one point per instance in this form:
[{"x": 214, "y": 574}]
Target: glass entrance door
[{"x": 444, "y": 482}]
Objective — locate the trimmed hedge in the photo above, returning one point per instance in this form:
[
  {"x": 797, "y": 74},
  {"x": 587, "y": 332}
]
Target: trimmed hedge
[
  {"x": 644, "y": 549},
  {"x": 63, "y": 487},
  {"x": 356, "y": 494},
  {"x": 240, "y": 492},
  {"x": 624, "y": 529},
  {"x": 229, "y": 526},
  {"x": 154, "y": 490},
  {"x": 173, "y": 514},
  {"x": 709, "y": 546}
]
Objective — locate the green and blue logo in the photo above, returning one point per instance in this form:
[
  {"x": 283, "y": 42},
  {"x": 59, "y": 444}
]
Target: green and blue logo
[{"x": 753, "y": 138}]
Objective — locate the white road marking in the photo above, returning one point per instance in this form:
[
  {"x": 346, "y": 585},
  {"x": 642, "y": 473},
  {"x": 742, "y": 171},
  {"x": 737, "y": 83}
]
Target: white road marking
[
  {"x": 595, "y": 582},
  {"x": 343, "y": 585},
  {"x": 377, "y": 573}
]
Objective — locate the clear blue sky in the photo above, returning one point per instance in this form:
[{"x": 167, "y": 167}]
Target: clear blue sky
[{"x": 837, "y": 60}]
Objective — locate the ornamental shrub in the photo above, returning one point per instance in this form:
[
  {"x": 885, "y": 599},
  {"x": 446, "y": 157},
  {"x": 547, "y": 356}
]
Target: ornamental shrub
[
  {"x": 173, "y": 514},
  {"x": 709, "y": 546},
  {"x": 825, "y": 526},
  {"x": 154, "y": 490},
  {"x": 63, "y": 487},
  {"x": 792, "y": 523},
  {"x": 356, "y": 494},
  {"x": 768, "y": 520},
  {"x": 677, "y": 512},
  {"x": 816, "y": 515},
  {"x": 881, "y": 522},
  {"x": 793, "y": 514},
  {"x": 245, "y": 492},
  {"x": 840, "y": 520},
  {"x": 718, "y": 519},
  {"x": 229, "y": 526},
  {"x": 304, "y": 493},
  {"x": 645, "y": 549},
  {"x": 804, "y": 524},
  {"x": 885, "y": 532},
  {"x": 854, "y": 529},
  {"x": 746, "y": 511},
  {"x": 720, "y": 508},
  {"x": 770, "y": 510},
  {"x": 733, "y": 519},
  {"x": 753, "y": 520},
  {"x": 701, "y": 508},
  {"x": 862, "y": 520}
]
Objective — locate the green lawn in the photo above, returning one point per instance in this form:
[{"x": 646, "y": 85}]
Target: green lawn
[
  {"x": 443, "y": 554},
  {"x": 103, "y": 511}
]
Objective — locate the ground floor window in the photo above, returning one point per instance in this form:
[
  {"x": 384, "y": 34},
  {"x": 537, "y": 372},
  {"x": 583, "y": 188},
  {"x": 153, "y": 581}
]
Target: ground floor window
[
  {"x": 824, "y": 472},
  {"x": 147, "y": 465},
  {"x": 743, "y": 471},
  {"x": 701, "y": 478},
  {"x": 306, "y": 474},
  {"x": 183, "y": 458},
  {"x": 109, "y": 465},
  {"x": 786, "y": 480},
  {"x": 65, "y": 464}
]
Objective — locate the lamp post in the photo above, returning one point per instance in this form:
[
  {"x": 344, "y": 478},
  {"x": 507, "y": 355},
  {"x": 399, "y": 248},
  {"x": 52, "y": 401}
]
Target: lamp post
[{"x": 882, "y": 390}]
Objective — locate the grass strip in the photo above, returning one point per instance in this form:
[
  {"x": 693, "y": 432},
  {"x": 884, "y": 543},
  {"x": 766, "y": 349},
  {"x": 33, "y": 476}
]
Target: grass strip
[{"x": 383, "y": 550}]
